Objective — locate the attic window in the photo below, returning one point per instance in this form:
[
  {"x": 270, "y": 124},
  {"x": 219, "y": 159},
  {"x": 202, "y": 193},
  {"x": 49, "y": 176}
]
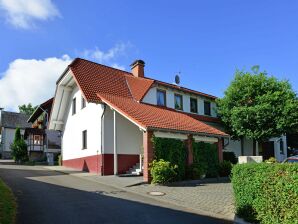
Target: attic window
[
  {"x": 161, "y": 97},
  {"x": 178, "y": 102},
  {"x": 207, "y": 108},
  {"x": 193, "y": 105}
]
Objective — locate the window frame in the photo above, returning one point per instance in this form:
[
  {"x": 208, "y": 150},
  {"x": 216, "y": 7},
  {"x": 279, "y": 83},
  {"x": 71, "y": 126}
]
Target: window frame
[
  {"x": 178, "y": 95},
  {"x": 84, "y": 139},
  {"x": 165, "y": 97},
  {"x": 196, "y": 100},
  {"x": 83, "y": 103},
  {"x": 74, "y": 106},
  {"x": 207, "y": 102}
]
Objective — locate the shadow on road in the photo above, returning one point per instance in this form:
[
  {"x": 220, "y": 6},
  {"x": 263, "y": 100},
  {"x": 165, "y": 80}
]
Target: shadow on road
[{"x": 49, "y": 197}]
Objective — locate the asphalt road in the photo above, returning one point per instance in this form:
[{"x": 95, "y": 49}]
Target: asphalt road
[{"x": 45, "y": 196}]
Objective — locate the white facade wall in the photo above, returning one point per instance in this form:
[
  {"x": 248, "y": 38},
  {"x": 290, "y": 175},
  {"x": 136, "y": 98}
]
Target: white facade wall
[
  {"x": 151, "y": 97},
  {"x": 280, "y": 153},
  {"x": 129, "y": 136},
  {"x": 88, "y": 118},
  {"x": 235, "y": 146}
]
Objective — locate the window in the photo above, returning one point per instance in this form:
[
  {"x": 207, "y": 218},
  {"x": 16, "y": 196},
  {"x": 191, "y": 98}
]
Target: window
[
  {"x": 161, "y": 97},
  {"x": 207, "y": 108},
  {"x": 74, "y": 106},
  {"x": 84, "y": 139},
  {"x": 83, "y": 103},
  {"x": 178, "y": 102},
  {"x": 193, "y": 105},
  {"x": 37, "y": 140}
]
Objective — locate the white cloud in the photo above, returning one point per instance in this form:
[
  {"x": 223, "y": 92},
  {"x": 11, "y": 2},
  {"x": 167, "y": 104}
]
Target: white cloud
[
  {"x": 23, "y": 13},
  {"x": 30, "y": 81},
  {"x": 106, "y": 57},
  {"x": 34, "y": 81}
]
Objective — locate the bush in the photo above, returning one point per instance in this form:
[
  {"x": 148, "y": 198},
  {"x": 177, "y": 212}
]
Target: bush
[
  {"x": 206, "y": 154},
  {"x": 230, "y": 156},
  {"x": 162, "y": 171},
  {"x": 196, "y": 171},
  {"x": 271, "y": 160},
  {"x": 224, "y": 168},
  {"x": 172, "y": 150},
  {"x": 266, "y": 193},
  {"x": 19, "y": 148}
]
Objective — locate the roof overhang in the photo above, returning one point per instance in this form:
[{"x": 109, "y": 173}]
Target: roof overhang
[{"x": 64, "y": 88}]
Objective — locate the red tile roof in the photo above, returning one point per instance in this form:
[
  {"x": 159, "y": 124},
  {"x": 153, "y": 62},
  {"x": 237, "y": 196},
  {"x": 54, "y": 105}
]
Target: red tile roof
[
  {"x": 151, "y": 116},
  {"x": 93, "y": 78},
  {"x": 122, "y": 91},
  {"x": 138, "y": 86}
]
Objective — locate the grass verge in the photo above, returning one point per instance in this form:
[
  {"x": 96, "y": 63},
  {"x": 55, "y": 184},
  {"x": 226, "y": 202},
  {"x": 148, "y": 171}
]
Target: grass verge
[{"x": 7, "y": 205}]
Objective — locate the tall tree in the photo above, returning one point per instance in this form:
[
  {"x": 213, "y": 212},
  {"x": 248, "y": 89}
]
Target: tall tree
[
  {"x": 258, "y": 107},
  {"x": 27, "y": 109}
]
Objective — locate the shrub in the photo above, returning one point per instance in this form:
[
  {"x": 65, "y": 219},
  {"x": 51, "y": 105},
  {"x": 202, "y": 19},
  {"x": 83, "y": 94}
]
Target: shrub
[
  {"x": 230, "y": 156},
  {"x": 271, "y": 160},
  {"x": 267, "y": 193},
  {"x": 162, "y": 171},
  {"x": 224, "y": 168},
  {"x": 19, "y": 148},
  {"x": 172, "y": 150},
  {"x": 196, "y": 171},
  {"x": 206, "y": 154}
]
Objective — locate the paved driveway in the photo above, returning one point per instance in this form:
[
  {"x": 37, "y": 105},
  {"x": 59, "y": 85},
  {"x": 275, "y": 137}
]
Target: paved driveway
[{"x": 46, "y": 196}]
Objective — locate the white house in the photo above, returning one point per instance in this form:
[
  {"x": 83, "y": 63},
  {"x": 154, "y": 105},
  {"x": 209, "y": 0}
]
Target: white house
[
  {"x": 107, "y": 117},
  {"x": 9, "y": 122}
]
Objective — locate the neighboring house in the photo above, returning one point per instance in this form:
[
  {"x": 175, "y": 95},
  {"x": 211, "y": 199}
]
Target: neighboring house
[
  {"x": 107, "y": 117},
  {"x": 9, "y": 122},
  {"x": 41, "y": 141}
]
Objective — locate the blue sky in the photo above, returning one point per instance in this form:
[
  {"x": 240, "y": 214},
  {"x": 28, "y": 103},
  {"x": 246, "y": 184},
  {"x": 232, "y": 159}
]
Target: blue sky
[{"x": 204, "y": 40}]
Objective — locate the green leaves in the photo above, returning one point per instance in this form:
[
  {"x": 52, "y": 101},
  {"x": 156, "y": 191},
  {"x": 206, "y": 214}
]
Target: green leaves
[
  {"x": 162, "y": 171},
  {"x": 172, "y": 150},
  {"x": 258, "y": 107},
  {"x": 19, "y": 147},
  {"x": 27, "y": 109},
  {"x": 267, "y": 193}
]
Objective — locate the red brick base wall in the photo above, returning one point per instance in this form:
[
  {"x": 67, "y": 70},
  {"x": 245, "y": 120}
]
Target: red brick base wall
[
  {"x": 93, "y": 164},
  {"x": 89, "y": 164}
]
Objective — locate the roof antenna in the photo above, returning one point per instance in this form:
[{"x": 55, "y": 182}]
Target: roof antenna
[{"x": 177, "y": 78}]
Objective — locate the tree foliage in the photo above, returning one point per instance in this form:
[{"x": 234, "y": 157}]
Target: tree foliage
[
  {"x": 19, "y": 147},
  {"x": 258, "y": 107},
  {"x": 27, "y": 109}
]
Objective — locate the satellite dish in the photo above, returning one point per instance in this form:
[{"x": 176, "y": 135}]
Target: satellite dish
[{"x": 177, "y": 79}]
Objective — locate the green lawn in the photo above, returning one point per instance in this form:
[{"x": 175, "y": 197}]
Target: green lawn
[{"x": 7, "y": 205}]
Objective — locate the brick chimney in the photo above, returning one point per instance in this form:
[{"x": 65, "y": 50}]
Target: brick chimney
[{"x": 137, "y": 68}]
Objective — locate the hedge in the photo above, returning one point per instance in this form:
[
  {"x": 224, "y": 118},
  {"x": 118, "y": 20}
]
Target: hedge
[
  {"x": 266, "y": 193},
  {"x": 173, "y": 151},
  {"x": 206, "y": 154}
]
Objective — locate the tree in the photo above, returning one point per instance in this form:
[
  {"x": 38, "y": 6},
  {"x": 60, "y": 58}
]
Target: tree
[
  {"x": 19, "y": 147},
  {"x": 258, "y": 107},
  {"x": 27, "y": 109}
]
